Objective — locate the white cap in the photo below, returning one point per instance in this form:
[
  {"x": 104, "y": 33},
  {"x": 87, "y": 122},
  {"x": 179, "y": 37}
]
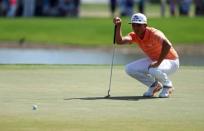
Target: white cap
[{"x": 138, "y": 18}]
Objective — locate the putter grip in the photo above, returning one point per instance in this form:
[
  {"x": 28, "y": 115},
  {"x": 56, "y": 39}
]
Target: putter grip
[{"x": 114, "y": 34}]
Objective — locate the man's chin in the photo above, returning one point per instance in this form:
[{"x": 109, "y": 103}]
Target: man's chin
[{"x": 138, "y": 33}]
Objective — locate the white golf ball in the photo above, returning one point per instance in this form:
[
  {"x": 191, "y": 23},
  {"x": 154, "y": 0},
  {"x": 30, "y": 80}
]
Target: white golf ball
[{"x": 35, "y": 107}]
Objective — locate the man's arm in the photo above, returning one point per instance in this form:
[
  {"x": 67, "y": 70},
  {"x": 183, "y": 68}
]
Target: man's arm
[
  {"x": 164, "y": 51},
  {"x": 119, "y": 38}
]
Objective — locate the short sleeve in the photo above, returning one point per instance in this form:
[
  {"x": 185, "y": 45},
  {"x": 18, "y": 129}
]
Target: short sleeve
[{"x": 133, "y": 36}]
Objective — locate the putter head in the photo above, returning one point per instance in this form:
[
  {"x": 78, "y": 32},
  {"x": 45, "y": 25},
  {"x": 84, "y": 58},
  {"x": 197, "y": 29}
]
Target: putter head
[{"x": 108, "y": 96}]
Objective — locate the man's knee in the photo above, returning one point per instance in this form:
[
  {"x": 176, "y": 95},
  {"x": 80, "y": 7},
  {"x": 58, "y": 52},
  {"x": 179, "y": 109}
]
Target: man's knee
[{"x": 128, "y": 69}]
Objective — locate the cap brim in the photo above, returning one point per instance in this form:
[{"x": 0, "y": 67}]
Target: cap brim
[{"x": 136, "y": 23}]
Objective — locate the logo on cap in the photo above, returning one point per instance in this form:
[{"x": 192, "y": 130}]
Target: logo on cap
[{"x": 138, "y": 18}]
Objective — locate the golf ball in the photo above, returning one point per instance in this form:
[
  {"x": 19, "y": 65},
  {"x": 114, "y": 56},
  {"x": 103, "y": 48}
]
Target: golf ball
[{"x": 35, "y": 107}]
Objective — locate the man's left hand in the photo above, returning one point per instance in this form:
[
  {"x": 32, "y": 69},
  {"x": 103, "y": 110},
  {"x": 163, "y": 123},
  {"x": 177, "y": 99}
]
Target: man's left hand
[{"x": 154, "y": 64}]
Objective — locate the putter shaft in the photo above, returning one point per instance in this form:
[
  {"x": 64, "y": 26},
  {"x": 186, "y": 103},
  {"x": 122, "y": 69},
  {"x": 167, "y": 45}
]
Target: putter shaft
[{"x": 111, "y": 69}]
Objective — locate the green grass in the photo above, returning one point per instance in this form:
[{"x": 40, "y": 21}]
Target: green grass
[
  {"x": 70, "y": 98},
  {"x": 94, "y": 31}
]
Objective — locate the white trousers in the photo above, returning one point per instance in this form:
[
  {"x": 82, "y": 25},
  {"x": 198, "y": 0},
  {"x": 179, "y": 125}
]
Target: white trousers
[{"x": 139, "y": 70}]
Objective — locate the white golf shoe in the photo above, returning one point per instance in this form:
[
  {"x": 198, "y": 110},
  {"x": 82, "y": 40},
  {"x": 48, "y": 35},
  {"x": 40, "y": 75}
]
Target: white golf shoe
[
  {"x": 153, "y": 89},
  {"x": 166, "y": 92}
]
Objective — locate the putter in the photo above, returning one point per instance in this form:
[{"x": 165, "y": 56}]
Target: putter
[{"x": 111, "y": 66}]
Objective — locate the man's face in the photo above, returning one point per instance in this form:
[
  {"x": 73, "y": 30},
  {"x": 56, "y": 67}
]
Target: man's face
[{"x": 138, "y": 28}]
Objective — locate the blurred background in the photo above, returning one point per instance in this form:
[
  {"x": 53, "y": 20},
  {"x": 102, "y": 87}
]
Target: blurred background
[
  {"x": 100, "y": 8},
  {"x": 62, "y": 31}
]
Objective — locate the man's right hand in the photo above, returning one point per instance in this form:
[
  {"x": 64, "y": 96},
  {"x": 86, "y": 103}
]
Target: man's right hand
[{"x": 117, "y": 21}]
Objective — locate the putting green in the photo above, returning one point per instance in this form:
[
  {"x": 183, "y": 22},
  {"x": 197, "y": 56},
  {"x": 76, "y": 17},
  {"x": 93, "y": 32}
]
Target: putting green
[{"x": 70, "y": 97}]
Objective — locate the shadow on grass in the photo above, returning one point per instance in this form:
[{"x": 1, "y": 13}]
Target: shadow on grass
[{"x": 127, "y": 98}]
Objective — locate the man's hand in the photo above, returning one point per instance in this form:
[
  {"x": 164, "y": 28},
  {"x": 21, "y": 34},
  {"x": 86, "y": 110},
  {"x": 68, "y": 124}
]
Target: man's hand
[
  {"x": 117, "y": 21},
  {"x": 154, "y": 64},
  {"x": 119, "y": 38}
]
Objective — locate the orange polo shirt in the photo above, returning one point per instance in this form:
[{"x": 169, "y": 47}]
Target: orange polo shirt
[{"x": 151, "y": 44}]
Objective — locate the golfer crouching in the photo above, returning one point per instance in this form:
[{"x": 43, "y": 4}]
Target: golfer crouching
[{"x": 161, "y": 61}]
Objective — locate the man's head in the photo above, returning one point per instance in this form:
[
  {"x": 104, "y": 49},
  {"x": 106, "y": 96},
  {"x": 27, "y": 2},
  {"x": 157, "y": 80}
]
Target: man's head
[{"x": 139, "y": 23}]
